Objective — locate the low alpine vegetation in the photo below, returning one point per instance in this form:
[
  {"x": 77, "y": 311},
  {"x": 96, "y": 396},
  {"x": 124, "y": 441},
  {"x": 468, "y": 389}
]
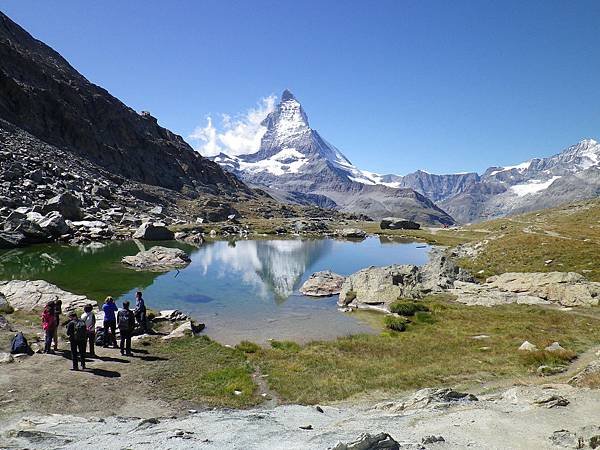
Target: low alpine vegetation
[
  {"x": 407, "y": 308},
  {"x": 395, "y": 323}
]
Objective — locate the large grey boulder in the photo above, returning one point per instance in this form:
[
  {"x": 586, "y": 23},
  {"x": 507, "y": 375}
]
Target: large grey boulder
[
  {"x": 151, "y": 232},
  {"x": 322, "y": 284},
  {"x": 158, "y": 259},
  {"x": 380, "y": 286},
  {"x": 55, "y": 224},
  {"x": 30, "y": 295},
  {"x": 68, "y": 205},
  {"x": 396, "y": 223}
]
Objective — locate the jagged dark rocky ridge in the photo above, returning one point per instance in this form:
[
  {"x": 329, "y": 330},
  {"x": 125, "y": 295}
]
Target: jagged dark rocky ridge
[{"x": 295, "y": 164}]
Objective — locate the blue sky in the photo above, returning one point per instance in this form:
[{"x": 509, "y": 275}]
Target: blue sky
[{"x": 396, "y": 85}]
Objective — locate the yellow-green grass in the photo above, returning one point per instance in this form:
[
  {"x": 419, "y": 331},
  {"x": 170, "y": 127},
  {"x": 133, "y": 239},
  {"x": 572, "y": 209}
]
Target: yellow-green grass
[
  {"x": 569, "y": 236},
  {"x": 426, "y": 354},
  {"x": 200, "y": 371}
]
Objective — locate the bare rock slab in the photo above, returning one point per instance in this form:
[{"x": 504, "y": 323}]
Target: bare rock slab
[
  {"x": 158, "y": 259},
  {"x": 30, "y": 295},
  {"x": 323, "y": 284}
]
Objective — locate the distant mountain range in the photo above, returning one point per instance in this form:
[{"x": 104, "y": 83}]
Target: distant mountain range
[{"x": 295, "y": 164}]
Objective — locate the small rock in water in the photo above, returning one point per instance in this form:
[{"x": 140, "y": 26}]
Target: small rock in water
[
  {"x": 306, "y": 427},
  {"x": 192, "y": 411},
  {"x": 318, "y": 408}
]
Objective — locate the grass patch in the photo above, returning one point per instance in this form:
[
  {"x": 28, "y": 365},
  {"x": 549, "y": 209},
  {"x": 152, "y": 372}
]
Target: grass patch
[
  {"x": 441, "y": 354},
  {"x": 248, "y": 347},
  {"x": 199, "y": 370},
  {"x": 544, "y": 357},
  {"x": 6, "y": 309},
  {"x": 569, "y": 236},
  {"x": 395, "y": 323},
  {"x": 286, "y": 346},
  {"x": 407, "y": 308}
]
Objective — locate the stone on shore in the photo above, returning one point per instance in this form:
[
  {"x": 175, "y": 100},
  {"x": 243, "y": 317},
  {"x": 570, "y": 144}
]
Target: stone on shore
[
  {"x": 66, "y": 204},
  {"x": 158, "y": 259},
  {"x": 29, "y": 295},
  {"x": 151, "y": 232},
  {"x": 351, "y": 233},
  {"x": 395, "y": 223},
  {"x": 527, "y": 346},
  {"x": 366, "y": 441},
  {"x": 12, "y": 239},
  {"x": 185, "y": 329},
  {"x": 172, "y": 315},
  {"x": 322, "y": 284}
]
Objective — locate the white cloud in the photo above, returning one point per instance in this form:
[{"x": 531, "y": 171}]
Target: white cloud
[{"x": 236, "y": 135}]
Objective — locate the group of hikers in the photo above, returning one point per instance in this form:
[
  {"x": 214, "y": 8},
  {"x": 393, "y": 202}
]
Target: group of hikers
[{"x": 82, "y": 330}]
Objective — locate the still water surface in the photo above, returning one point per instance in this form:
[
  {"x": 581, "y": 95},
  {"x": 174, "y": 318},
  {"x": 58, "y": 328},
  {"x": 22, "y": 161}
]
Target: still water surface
[{"x": 245, "y": 289}]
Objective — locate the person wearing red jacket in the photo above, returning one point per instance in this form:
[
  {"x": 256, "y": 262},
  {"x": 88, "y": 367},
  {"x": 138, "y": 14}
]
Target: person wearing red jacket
[{"x": 49, "y": 326}]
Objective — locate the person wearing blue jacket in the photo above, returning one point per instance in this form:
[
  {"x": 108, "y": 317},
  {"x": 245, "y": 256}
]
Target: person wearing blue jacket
[{"x": 110, "y": 322}]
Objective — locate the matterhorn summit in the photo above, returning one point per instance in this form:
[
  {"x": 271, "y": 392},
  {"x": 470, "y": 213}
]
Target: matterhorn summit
[{"x": 295, "y": 164}]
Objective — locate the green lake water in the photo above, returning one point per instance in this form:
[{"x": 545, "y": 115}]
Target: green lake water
[{"x": 245, "y": 289}]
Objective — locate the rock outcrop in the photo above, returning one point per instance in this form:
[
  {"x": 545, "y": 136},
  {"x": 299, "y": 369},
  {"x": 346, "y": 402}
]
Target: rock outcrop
[
  {"x": 395, "y": 223},
  {"x": 33, "y": 295},
  {"x": 158, "y": 259},
  {"x": 322, "y": 284},
  {"x": 563, "y": 288},
  {"x": 378, "y": 287}
]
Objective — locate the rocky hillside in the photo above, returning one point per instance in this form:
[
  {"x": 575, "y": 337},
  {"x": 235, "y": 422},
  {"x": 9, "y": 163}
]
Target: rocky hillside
[
  {"x": 295, "y": 164},
  {"x": 78, "y": 164},
  {"x": 43, "y": 95}
]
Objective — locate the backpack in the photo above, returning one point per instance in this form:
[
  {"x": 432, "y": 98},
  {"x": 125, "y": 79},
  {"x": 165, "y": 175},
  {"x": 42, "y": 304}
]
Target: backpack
[
  {"x": 125, "y": 320},
  {"x": 19, "y": 345},
  {"x": 100, "y": 337},
  {"x": 80, "y": 331}
]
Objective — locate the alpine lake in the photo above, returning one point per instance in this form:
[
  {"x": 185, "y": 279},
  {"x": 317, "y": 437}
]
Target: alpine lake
[{"x": 241, "y": 289}]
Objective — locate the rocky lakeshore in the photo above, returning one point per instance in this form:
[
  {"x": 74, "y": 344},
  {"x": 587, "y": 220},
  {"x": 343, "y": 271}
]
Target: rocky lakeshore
[{"x": 520, "y": 417}]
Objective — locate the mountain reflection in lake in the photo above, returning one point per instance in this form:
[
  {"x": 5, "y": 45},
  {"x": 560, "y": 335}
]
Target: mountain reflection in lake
[{"x": 245, "y": 289}]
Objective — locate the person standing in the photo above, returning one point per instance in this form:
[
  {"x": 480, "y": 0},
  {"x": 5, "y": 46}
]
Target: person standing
[
  {"x": 140, "y": 312},
  {"x": 126, "y": 321},
  {"x": 57, "y": 313},
  {"x": 49, "y": 326},
  {"x": 89, "y": 318},
  {"x": 77, "y": 333},
  {"x": 110, "y": 322}
]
